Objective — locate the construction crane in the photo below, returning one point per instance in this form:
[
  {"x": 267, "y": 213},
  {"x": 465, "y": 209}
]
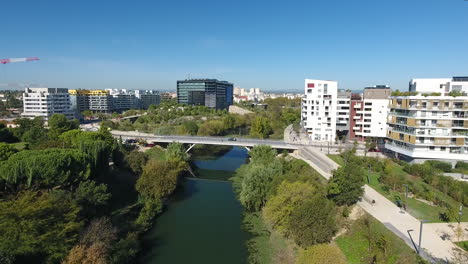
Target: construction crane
[{"x": 10, "y": 60}]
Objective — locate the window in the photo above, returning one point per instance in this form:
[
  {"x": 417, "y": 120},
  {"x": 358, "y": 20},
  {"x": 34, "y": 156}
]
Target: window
[
  {"x": 431, "y": 148},
  {"x": 442, "y": 148}
]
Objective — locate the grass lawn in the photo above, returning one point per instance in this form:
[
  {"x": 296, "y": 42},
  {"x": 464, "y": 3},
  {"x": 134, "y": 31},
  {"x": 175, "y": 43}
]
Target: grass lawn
[
  {"x": 463, "y": 245},
  {"x": 263, "y": 245},
  {"x": 416, "y": 208},
  {"x": 336, "y": 158},
  {"x": 355, "y": 246}
]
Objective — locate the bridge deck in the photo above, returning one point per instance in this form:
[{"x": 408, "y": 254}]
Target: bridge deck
[{"x": 242, "y": 142}]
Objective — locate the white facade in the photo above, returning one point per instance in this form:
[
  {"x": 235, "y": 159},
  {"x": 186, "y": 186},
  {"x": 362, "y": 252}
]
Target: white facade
[
  {"x": 374, "y": 123},
  {"x": 319, "y": 109},
  {"x": 44, "y": 102},
  {"x": 441, "y": 85},
  {"x": 430, "y": 127},
  {"x": 342, "y": 111}
]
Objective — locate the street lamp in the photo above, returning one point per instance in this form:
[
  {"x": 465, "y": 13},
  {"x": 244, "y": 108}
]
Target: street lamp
[
  {"x": 368, "y": 175},
  {"x": 460, "y": 212},
  {"x": 420, "y": 234},
  {"x": 406, "y": 196}
]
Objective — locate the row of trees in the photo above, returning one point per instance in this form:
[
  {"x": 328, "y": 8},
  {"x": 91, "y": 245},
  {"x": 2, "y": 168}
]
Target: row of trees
[{"x": 171, "y": 118}]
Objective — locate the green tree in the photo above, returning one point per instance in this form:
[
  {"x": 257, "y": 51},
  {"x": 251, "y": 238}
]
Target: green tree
[
  {"x": 211, "y": 128},
  {"x": 262, "y": 154},
  {"x": 5, "y": 134},
  {"x": 261, "y": 127},
  {"x": 6, "y": 150},
  {"x": 229, "y": 122},
  {"x": 313, "y": 221},
  {"x": 39, "y": 228},
  {"x": 191, "y": 127},
  {"x": 136, "y": 160},
  {"x": 176, "y": 150},
  {"x": 159, "y": 178},
  {"x": 278, "y": 209},
  {"x": 345, "y": 186},
  {"x": 89, "y": 194},
  {"x": 59, "y": 123},
  {"x": 321, "y": 254},
  {"x": 45, "y": 168},
  {"x": 256, "y": 184}
]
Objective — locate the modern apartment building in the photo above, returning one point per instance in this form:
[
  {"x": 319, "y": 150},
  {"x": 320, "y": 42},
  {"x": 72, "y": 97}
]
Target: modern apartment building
[
  {"x": 342, "y": 114},
  {"x": 208, "y": 92},
  {"x": 44, "y": 102},
  {"x": 319, "y": 105},
  {"x": 112, "y": 100},
  {"x": 432, "y": 124},
  {"x": 368, "y": 115}
]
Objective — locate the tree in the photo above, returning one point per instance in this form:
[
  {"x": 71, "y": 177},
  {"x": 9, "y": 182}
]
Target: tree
[
  {"x": 313, "y": 221},
  {"x": 261, "y": 127},
  {"x": 159, "y": 179},
  {"x": 229, "y": 122},
  {"x": 262, "y": 154},
  {"x": 278, "y": 209},
  {"x": 191, "y": 127},
  {"x": 59, "y": 123},
  {"x": 370, "y": 144},
  {"x": 136, "y": 160},
  {"x": 345, "y": 186},
  {"x": 176, "y": 150},
  {"x": 211, "y": 128},
  {"x": 81, "y": 254},
  {"x": 90, "y": 194},
  {"x": 6, "y": 150},
  {"x": 321, "y": 254},
  {"x": 39, "y": 227},
  {"x": 6, "y": 135},
  {"x": 256, "y": 184}
]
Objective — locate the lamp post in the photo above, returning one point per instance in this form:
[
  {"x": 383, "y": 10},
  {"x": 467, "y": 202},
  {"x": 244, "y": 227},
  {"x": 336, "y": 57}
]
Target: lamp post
[
  {"x": 368, "y": 175},
  {"x": 406, "y": 196},
  {"x": 328, "y": 147},
  {"x": 460, "y": 212},
  {"x": 420, "y": 235}
]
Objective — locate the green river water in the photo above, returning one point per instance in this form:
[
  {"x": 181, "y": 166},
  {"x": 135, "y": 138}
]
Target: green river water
[{"x": 203, "y": 222}]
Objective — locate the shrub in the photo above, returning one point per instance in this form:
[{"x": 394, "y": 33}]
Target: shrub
[{"x": 321, "y": 254}]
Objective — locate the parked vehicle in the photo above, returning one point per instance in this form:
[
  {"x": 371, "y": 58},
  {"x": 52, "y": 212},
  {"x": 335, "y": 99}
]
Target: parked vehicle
[
  {"x": 232, "y": 139},
  {"x": 374, "y": 150}
]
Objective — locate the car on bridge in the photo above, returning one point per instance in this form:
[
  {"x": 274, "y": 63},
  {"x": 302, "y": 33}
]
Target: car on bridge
[{"x": 232, "y": 139}]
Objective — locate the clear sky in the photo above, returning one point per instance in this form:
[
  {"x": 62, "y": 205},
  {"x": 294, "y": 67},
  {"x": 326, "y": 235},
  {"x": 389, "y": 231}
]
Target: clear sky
[{"x": 273, "y": 45}]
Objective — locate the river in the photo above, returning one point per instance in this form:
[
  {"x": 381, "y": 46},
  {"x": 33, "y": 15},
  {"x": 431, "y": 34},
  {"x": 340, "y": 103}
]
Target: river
[{"x": 203, "y": 222}]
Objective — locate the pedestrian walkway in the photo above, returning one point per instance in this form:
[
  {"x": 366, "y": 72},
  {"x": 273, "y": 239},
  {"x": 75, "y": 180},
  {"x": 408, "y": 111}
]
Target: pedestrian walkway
[
  {"x": 404, "y": 225},
  {"x": 400, "y": 223}
]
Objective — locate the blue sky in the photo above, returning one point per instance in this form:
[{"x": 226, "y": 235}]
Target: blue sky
[{"x": 273, "y": 45}]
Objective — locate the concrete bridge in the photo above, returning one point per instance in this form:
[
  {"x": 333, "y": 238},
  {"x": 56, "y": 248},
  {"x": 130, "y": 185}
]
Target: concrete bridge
[{"x": 193, "y": 140}]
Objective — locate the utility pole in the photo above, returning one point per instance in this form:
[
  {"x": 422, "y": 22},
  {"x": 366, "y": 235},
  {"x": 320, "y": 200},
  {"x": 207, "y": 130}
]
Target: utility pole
[
  {"x": 460, "y": 212},
  {"x": 368, "y": 175}
]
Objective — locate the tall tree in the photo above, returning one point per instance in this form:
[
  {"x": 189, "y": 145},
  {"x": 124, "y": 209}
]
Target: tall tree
[
  {"x": 345, "y": 186},
  {"x": 38, "y": 227}
]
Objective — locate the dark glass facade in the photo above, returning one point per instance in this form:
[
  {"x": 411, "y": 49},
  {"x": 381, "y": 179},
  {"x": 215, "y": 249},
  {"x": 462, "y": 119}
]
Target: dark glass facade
[{"x": 208, "y": 92}]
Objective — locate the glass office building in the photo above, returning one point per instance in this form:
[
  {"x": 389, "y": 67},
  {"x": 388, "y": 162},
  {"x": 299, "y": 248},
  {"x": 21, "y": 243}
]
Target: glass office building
[{"x": 208, "y": 92}]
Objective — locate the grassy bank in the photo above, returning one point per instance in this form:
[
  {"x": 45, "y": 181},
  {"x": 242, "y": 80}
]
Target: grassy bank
[
  {"x": 265, "y": 246},
  {"x": 364, "y": 242}
]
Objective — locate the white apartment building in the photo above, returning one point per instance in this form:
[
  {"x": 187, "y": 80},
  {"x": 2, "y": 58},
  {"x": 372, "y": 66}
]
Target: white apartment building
[
  {"x": 318, "y": 113},
  {"x": 429, "y": 125},
  {"x": 44, "y": 102},
  {"x": 342, "y": 113},
  {"x": 369, "y": 113}
]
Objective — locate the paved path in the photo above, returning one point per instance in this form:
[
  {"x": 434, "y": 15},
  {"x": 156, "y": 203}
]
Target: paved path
[
  {"x": 434, "y": 248},
  {"x": 399, "y": 223}
]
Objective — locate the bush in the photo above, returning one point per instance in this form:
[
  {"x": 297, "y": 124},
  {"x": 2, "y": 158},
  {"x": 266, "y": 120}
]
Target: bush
[
  {"x": 321, "y": 254},
  {"x": 440, "y": 165},
  {"x": 313, "y": 221}
]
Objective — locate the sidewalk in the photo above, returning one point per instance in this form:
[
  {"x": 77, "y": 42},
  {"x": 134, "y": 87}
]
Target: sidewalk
[
  {"x": 399, "y": 223},
  {"x": 434, "y": 248}
]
